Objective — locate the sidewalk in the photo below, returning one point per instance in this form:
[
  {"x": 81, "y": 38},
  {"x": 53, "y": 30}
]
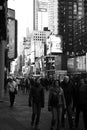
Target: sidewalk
[
  {"x": 19, "y": 117},
  {"x": 7, "y": 116}
]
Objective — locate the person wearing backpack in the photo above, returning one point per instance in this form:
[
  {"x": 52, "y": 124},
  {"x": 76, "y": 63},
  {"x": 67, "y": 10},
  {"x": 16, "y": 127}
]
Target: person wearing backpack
[{"x": 56, "y": 101}]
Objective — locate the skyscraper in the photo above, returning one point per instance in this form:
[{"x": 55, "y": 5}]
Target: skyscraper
[
  {"x": 69, "y": 11},
  {"x": 39, "y": 14},
  {"x": 35, "y": 14},
  {"x": 53, "y": 16},
  {"x": 80, "y": 32}
]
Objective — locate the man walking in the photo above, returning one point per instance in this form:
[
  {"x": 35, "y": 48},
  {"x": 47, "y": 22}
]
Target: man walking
[
  {"x": 36, "y": 100},
  {"x": 68, "y": 93}
]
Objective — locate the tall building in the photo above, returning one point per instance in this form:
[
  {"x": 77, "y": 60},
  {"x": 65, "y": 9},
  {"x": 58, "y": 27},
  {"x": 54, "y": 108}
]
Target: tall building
[
  {"x": 40, "y": 14},
  {"x": 80, "y": 36},
  {"x": 35, "y": 14},
  {"x": 69, "y": 11},
  {"x": 53, "y": 16}
]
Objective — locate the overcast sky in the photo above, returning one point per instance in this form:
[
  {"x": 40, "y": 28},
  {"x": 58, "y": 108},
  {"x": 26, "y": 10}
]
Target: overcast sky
[{"x": 24, "y": 15}]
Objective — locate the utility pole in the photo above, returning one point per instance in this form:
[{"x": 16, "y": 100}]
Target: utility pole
[{"x": 3, "y": 39}]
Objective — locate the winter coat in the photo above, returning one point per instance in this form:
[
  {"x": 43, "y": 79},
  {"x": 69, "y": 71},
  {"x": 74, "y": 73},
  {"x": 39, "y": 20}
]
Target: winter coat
[
  {"x": 56, "y": 97},
  {"x": 36, "y": 95},
  {"x": 68, "y": 92},
  {"x": 12, "y": 86},
  {"x": 82, "y": 96}
]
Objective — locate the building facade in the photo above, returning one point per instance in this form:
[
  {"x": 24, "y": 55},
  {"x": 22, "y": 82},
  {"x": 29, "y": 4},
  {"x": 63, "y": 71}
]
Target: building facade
[
  {"x": 40, "y": 8},
  {"x": 80, "y": 37},
  {"x": 53, "y": 16},
  {"x": 70, "y": 12},
  {"x": 35, "y": 14}
]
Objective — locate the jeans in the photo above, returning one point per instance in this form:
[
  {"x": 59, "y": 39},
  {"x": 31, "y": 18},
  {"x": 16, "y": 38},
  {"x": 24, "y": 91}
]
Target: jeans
[
  {"x": 56, "y": 115},
  {"x": 12, "y": 98},
  {"x": 69, "y": 114},
  {"x": 36, "y": 111},
  {"x": 77, "y": 114}
]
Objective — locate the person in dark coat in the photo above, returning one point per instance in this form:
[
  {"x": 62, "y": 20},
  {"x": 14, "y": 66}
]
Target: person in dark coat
[
  {"x": 36, "y": 100},
  {"x": 81, "y": 103},
  {"x": 67, "y": 86}
]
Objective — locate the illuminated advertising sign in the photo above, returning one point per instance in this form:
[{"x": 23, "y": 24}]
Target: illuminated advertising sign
[
  {"x": 71, "y": 64},
  {"x": 81, "y": 63},
  {"x": 43, "y": 6},
  {"x": 11, "y": 38},
  {"x": 54, "y": 44},
  {"x": 12, "y": 34},
  {"x": 77, "y": 63},
  {"x": 11, "y": 13},
  {"x": 32, "y": 53},
  {"x": 39, "y": 49}
]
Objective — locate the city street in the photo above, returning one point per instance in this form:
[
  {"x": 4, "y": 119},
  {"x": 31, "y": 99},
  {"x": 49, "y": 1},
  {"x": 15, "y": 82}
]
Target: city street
[{"x": 19, "y": 117}]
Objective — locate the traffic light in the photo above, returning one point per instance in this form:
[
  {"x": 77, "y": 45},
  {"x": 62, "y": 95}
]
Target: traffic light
[{"x": 3, "y": 20}]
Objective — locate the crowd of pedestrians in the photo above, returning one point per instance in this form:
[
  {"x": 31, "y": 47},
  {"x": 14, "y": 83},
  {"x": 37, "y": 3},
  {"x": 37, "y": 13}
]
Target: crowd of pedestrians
[{"x": 65, "y": 98}]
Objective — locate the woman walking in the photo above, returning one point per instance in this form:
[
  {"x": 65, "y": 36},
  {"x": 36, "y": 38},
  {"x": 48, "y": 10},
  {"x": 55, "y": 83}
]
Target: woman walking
[
  {"x": 56, "y": 102},
  {"x": 12, "y": 87}
]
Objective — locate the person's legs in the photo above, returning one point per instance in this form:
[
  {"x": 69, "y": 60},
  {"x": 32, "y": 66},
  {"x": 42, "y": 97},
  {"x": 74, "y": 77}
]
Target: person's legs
[
  {"x": 38, "y": 112},
  {"x": 12, "y": 98},
  {"x": 69, "y": 114},
  {"x": 33, "y": 118},
  {"x": 77, "y": 114},
  {"x": 85, "y": 118},
  {"x": 58, "y": 117},
  {"x": 33, "y": 113},
  {"x": 53, "y": 121},
  {"x": 63, "y": 117}
]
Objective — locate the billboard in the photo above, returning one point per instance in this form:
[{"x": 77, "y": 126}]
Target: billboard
[
  {"x": 39, "y": 49},
  {"x": 43, "y": 6},
  {"x": 81, "y": 63},
  {"x": 54, "y": 44},
  {"x": 12, "y": 38},
  {"x": 12, "y": 34},
  {"x": 77, "y": 63},
  {"x": 11, "y": 13},
  {"x": 71, "y": 64}
]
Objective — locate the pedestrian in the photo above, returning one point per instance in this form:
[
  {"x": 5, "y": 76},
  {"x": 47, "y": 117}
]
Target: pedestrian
[
  {"x": 36, "y": 100},
  {"x": 56, "y": 101},
  {"x": 67, "y": 86},
  {"x": 12, "y": 88},
  {"x": 27, "y": 85},
  {"x": 81, "y": 103}
]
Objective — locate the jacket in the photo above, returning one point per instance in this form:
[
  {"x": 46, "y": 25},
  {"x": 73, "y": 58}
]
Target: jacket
[
  {"x": 68, "y": 92},
  {"x": 36, "y": 95},
  {"x": 60, "y": 101}
]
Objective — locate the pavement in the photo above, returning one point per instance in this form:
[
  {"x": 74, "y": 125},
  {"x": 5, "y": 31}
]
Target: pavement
[{"x": 19, "y": 117}]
